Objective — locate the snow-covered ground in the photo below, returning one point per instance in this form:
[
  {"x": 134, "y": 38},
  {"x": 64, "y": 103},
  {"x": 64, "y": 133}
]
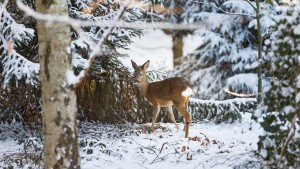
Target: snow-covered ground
[{"x": 210, "y": 145}]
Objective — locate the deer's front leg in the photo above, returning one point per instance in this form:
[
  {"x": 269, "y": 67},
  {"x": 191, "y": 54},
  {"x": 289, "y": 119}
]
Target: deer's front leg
[{"x": 155, "y": 112}]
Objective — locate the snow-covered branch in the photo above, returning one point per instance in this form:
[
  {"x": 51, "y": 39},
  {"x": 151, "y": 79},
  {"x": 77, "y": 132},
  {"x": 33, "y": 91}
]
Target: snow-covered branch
[
  {"x": 76, "y": 24},
  {"x": 227, "y": 110},
  {"x": 94, "y": 53},
  {"x": 14, "y": 64},
  {"x": 222, "y": 10}
]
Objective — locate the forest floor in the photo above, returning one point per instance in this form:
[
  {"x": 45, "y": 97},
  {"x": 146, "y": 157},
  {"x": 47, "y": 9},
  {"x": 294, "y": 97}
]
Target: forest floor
[{"x": 210, "y": 145}]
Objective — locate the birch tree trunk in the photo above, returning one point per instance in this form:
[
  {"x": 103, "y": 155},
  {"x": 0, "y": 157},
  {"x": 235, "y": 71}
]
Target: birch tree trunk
[{"x": 59, "y": 102}]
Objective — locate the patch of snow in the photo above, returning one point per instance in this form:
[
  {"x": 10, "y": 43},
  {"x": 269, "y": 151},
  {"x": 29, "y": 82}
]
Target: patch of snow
[
  {"x": 157, "y": 42},
  {"x": 72, "y": 78},
  {"x": 190, "y": 43}
]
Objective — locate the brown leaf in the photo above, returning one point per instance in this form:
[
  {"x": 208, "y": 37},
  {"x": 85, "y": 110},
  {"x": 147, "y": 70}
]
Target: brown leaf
[
  {"x": 189, "y": 157},
  {"x": 183, "y": 149}
]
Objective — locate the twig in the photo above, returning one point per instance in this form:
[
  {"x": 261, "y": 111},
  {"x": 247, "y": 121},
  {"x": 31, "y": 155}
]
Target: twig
[
  {"x": 161, "y": 158},
  {"x": 151, "y": 149},
  {"x": 251, "y": 4},
  {"x": 162, "y": 147}
]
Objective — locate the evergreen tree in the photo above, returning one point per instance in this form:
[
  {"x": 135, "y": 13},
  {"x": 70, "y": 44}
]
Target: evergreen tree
[
  {"x": 107, "y": 94},
  {"x": 19, "y": 67},
  {"x": 227, "y": 57},
  {"x": 279, "y": 114}
]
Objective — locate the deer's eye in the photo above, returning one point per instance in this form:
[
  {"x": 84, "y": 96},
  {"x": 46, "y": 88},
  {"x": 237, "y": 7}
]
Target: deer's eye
[{"x": 140, "y": 74}]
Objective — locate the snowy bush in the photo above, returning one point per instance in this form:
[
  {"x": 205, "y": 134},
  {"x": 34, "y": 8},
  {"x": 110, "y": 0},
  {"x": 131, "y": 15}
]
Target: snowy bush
[
  {"x": 279, "y": 113},
  {"x": 227, "y": 110}
]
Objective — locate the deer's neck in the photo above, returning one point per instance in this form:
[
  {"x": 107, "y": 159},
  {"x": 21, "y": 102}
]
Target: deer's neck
[{"x": 143, "y": 87}]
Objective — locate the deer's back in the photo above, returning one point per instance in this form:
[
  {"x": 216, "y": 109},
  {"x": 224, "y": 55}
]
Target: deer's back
[{"x": 167, "y": 91}]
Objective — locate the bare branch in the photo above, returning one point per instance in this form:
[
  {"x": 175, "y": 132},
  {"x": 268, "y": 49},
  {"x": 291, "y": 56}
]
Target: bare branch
[
  {"x": 238, "y": 94},
  {"x": 250, "y": 4}
]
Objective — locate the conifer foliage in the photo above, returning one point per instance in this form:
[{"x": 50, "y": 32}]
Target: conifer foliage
[
  {"x": 280, "y": 113},
  {"x": 13, "y": 64},
  {"x": 227, "y": 56}
]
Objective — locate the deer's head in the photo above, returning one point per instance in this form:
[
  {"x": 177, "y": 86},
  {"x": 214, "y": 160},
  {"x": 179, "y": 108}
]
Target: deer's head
[{"x": 139, "y": 74}]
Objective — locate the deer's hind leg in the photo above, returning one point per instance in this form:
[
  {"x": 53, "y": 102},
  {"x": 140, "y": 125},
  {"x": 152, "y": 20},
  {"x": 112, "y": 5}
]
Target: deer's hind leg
[
  {"x": 187, "y": 117},
  {"x": 171, "y": 115}
]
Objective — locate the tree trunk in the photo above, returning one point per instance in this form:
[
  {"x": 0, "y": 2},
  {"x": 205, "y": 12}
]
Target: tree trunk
[
  {"x": 59, "y": 102},
  {"x": 259, "y": 90},
  {"x": 177, "y": 47}
]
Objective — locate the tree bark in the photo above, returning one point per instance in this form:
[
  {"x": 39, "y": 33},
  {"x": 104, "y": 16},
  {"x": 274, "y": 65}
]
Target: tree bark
[
  {"x": 259, "y": 68},
  {"x": 59, "y": 101},
  {"x": 177, "y": 47}
]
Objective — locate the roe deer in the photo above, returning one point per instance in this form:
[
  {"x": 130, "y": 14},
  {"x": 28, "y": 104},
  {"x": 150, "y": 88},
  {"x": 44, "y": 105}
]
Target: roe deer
[{"x": 173, "y": 91}]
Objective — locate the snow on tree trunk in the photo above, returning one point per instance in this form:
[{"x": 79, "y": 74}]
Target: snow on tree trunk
[{"x": 59, "y": 102}]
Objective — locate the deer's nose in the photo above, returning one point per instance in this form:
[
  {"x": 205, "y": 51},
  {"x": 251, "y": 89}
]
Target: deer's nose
[{"x": 133, "y": 78}]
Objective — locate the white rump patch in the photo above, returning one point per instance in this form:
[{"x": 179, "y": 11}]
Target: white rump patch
[{"x": 188, "y": 91}]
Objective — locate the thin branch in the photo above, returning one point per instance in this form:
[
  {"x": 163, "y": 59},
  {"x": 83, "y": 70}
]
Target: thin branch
[
  {"x": 238, "y": 94},
  {"x": 251, "y": 4},
  {"x": 98, "y": 49},
  {"x": 222, "y": 10},
  {"x": 157, "y": 155},
  {"x": 151, "y": 149}
]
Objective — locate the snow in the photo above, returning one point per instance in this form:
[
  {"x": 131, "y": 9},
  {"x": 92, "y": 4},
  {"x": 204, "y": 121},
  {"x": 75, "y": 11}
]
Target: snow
[
  {"x": 210, "y": 145},
  {"x": 155, "y": 41},
  {"x": 298, "y": 98},
  {"x": 72, "y": 79},
  {"x": 247, "y": 81},
  {"x": 14, "y": 64}
]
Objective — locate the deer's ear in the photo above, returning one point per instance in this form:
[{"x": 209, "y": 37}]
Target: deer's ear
[
  {"x": 146, "y": 65},
  {"x": 134, "y": 65}
]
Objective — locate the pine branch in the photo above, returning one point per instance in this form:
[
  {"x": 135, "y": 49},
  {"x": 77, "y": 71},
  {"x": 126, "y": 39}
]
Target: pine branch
[
  {"x": 98, "y": 49},
  {"x": 289, "y": 137},
  {"x": 222, "y": 10},
  {"x": 251, "y": 4},
  {"x": 77, "y": 24},
  {"x": 221, "y": 110}
]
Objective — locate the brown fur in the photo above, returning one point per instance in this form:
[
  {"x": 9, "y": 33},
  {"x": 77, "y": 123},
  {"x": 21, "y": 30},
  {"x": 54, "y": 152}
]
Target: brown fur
[{"x": 162, "y": 92}]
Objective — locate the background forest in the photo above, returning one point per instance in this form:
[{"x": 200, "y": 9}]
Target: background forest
[{"x": 244, "y": 71}]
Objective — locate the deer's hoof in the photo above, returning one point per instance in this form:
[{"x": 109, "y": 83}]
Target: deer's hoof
[{"x": 152, "y": 128}]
